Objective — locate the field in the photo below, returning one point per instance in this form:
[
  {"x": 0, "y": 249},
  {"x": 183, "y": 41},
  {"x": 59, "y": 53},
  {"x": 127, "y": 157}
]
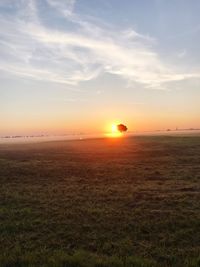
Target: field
[{"x": 102, "y": 202}]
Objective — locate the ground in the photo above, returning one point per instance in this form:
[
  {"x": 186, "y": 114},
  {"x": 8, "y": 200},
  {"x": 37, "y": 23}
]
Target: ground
[{"x": 102, "y": 202}]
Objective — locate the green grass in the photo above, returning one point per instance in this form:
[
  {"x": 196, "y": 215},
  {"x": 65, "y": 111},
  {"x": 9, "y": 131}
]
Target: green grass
[{"x": 104, "y": 203}]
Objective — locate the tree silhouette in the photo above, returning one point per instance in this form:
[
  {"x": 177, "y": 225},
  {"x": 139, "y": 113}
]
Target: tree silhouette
[{"x": 122, "y": 128}]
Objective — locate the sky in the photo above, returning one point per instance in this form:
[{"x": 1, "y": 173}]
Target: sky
[{"x": 81, "y": 65}]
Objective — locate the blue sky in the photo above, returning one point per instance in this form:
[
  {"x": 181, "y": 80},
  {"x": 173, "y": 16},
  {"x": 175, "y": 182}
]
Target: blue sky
[{"x": 77, "y": 65}]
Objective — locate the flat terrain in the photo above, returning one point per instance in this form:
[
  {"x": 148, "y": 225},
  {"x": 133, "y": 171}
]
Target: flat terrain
[{"x": 102, "y": 202}]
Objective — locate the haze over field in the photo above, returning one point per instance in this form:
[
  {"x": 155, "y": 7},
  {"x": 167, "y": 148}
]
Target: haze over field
[{"x": 81, "y": 66}]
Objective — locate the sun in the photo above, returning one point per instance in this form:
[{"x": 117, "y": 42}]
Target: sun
[
  {"x": 114, "y": 128},
  {"x": 112, "y": 131}
]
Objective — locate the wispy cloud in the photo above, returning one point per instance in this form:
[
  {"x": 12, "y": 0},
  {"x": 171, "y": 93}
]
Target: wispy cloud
[
  {"x": 182, "y": 53},
  {"x": 66, "y": 7},
  {"x": 37, "y": 51}
]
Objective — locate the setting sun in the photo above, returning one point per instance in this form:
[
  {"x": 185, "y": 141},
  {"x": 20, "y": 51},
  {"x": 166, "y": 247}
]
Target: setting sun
[
  {"x": 112, "y": 131},
  {"x": 114, "y": 128}
]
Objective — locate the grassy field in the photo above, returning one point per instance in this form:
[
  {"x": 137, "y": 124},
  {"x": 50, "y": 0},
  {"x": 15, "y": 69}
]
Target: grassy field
[{"x": 103, "y": 203}]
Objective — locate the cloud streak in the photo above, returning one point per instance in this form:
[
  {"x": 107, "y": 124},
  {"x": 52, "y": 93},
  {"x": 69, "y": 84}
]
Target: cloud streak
[{"x": 33, "y": 50}]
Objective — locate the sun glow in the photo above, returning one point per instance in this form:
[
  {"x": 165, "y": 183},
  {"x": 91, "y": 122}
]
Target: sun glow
[
  {"x": 113, "y": 132},
  {"x": 114, "y": 128}
]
